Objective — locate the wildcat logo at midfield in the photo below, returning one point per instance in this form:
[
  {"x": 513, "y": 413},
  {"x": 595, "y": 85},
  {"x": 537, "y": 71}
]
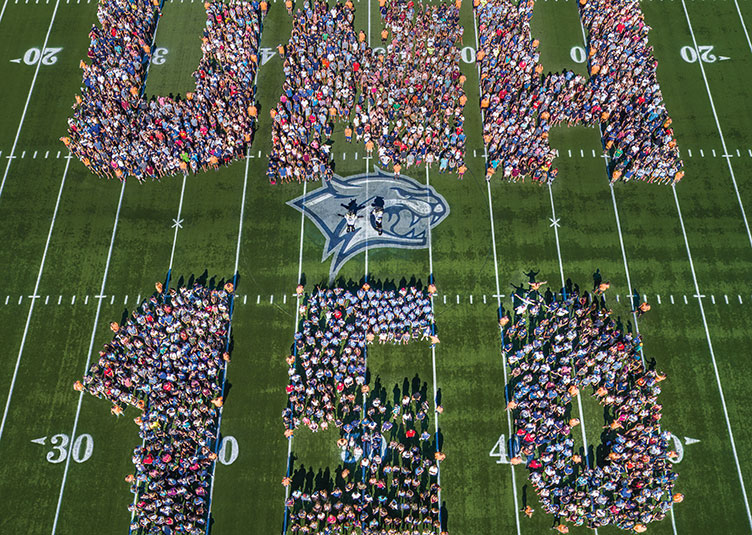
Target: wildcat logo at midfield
[{"x": 371, "y": 210}]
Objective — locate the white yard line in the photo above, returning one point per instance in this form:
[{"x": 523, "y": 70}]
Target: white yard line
[
  {"x": 99, "y": 298},
  {"x": 178, "y": 221},
  {"x": 229, "y": 329},
  {"x": 563, "y": 285},
  {"x": 34, "y": 298},
  {"x": 712, "y": 358},
  {"x": 718, "y": 125},
  {"x": 5, "y": 4},
  {"x": 744, "y": 26},
  {"x": 28, "y": 98},
  {"x": 297, "y": 320},
  {"x": 498, "y": 300},
  {"x": 626, "y": 270},
  {"x": 433, "y": 349}
]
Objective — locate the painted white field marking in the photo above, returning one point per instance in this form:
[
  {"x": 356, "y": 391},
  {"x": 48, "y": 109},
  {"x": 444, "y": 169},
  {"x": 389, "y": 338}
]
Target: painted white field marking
[
  {"x": 28, "y": 98},
  {"x": 563, "y": 285},
  {"x": 33, "y": 301},
  {"x": 229, "y": 328},
  {"x": 178, "y": 223},
  {"x": 3, "y": 10},
  {"x": 297, "y": 320},
  {"x": 744, "y": 26},
  {"x": 498, "y": 294},
  {"x": 91, "y": 348},
  {"x": 712, "y": 356},
  {"x": 433, "y": 346},
  {"x": 720, "y": 134}
]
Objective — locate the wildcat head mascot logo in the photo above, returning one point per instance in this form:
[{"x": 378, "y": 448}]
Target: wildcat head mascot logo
[{"x": 383, "y": 211}]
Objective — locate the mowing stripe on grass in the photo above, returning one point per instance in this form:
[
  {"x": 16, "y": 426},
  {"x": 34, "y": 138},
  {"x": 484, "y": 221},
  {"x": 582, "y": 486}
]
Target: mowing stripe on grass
[
  {"x": 28, "y": 98},
  {"x": 712, "y": 356},
  {"x": 100, "y": 297},
  {"x": 34, "y": 297},
  {"x": 718, "y": 126}
]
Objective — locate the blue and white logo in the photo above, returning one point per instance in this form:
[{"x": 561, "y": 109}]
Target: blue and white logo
[{"x": 371, "y": 210}]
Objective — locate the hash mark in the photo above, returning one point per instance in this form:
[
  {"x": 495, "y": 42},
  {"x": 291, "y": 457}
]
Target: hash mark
[
  {"x": 672, "y": 299},
  {"x": 73, "y": 301},
  {"x": 86, "y": 301}
]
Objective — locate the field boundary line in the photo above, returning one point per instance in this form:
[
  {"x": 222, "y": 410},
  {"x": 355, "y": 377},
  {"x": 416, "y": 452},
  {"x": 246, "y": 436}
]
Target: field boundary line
[
  {"x": 699, "y": 297},
  {"x": 100, "y": 298},
  {"x": 727, "y": 155},
  {"x": 34, "y": 297},
  {"x": 28, "y": 98}
]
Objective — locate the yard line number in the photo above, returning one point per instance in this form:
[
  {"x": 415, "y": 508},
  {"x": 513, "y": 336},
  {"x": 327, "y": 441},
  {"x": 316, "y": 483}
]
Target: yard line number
[
  {"x": 159, "y": 56},
  {"x": 49, "y": 56},
  {"x": 81, "y": 451}
]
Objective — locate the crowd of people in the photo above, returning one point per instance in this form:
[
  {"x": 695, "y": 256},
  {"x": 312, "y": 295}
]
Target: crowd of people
[
  {"x": 414, "y": 109},
  {"x": 557, "y": 350},
  {"x": 408, "y": 100},
  {"x": 328, "y": 366},
  {"x": 390, "y": 484},
  {"x": 622, "y": 95},
  {"x": 168, "y": 361},
  {"x": 117, "y": 132},
  {"x": 322, "y": 58}
]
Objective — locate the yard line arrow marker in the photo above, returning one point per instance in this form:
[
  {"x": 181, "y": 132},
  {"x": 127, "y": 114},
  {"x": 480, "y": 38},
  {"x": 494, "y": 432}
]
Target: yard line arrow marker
[
  {"x": 40, "y": 441},
  {"x": 17, "y": 60},
  {"x": 266, "y": 54},
  {"x": 723, "y": 58},
  {"x": 689, "y": 441}
]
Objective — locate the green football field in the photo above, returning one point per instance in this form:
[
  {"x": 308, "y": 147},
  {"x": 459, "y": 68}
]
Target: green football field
[{"x": 78, "y": 252}]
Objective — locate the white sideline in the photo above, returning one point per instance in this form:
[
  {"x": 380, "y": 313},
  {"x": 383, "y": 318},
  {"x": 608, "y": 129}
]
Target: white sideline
[
  {"x": 28, "y": 98},
  {"x": 718, "y": 126},
  {"x": 34, "y": 300},
  {"x": 88, "y": 356},
  {"x": 699, "y": 296},
  {"x": 498, "y": 295}
]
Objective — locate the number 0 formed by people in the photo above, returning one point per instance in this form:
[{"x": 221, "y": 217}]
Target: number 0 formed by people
[
  {"x": 389, "y": 476},
  {"x": 559, "y": 349},
  {"x": 117, "y": 132}
]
